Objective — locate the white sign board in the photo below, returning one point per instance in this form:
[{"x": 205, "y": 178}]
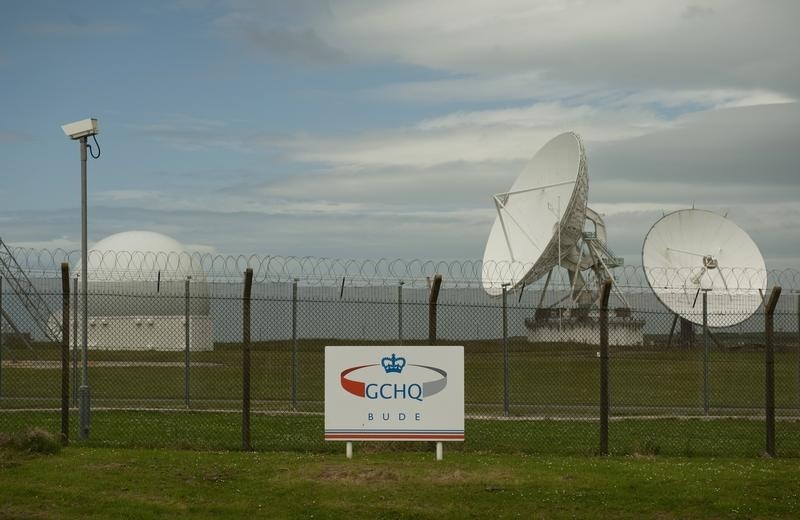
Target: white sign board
[{"x": 394, "y": 393}]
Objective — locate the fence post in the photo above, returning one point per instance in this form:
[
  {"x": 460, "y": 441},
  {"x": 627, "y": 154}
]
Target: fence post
[
  {"x": 705, "y": 351},
  {"x": 248, "y": 284},
  {"x": 64, "y": 353},
  {"x": 432, "y": 299},
  {"x": 769, "y": 323},
  {"x": 187, "y": 358},
  {"x": 505, "y": 350},
  {"x": 604, "y": 397},
  {"x": 294, "y": 344},
  {"x": 75, "y": 343},
  {"x": 400, "y": 313}
]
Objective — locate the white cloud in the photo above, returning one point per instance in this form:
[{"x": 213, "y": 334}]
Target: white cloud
[
  {"x": 503, "y": 87},
  {"x": 396, "y": 188},
  {"x": 460, "y": 35},
  {"x": 626, "y": 43},
  {"x": 551, "y": 49},
  {"x": 714, "y": 98},
  {"x": 472, "y": 136},
  {"x": 532, "y": 86}
]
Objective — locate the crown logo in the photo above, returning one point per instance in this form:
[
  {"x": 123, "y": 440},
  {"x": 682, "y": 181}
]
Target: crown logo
[{"x": 393, "y": 364}]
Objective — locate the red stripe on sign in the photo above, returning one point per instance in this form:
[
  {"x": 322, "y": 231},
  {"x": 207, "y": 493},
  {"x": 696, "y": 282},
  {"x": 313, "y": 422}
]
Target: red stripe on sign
[
  {"x": 354, "y": 387},
  {"x": 390, "y": 436}
]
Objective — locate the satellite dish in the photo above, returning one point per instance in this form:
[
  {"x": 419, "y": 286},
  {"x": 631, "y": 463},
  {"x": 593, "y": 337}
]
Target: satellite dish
[
  {"x": 543, "y": 222},
  {"x": 690, "y": 251},
  {"x": 540, "y": 218}
]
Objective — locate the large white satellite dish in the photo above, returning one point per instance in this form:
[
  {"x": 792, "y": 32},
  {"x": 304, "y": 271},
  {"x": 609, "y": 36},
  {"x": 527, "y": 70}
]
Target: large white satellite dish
[
  {"x": 690, "y": 251},
  {"x": 542, "y": 223},
  {"x": 540, "y": 218}
]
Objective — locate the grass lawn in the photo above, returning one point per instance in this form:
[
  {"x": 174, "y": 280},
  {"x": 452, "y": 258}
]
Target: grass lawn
[
  {"x": 85, "y": 482},
  {"x": 544, "y": 380},
  {"x": 213, "y": 431}
]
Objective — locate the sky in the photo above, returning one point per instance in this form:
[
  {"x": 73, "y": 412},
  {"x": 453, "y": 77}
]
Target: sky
[{"x": 367, "y": 129}]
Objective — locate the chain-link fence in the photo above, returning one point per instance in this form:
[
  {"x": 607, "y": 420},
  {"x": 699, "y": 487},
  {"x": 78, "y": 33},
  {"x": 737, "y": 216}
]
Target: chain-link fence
[{"x": 165, "y": 364}]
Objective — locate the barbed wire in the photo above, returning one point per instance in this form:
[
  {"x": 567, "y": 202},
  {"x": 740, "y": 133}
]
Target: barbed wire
[{"x": 146, "y": 265}]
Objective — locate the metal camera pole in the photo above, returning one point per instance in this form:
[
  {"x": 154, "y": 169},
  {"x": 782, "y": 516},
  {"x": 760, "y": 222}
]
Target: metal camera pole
[
  {"x": 81, "y": 131},
  {"x": 83, "y": 391}
]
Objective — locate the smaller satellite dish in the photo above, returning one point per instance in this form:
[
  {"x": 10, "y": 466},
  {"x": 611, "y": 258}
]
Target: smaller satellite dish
[{"x": 690, "y": 251}]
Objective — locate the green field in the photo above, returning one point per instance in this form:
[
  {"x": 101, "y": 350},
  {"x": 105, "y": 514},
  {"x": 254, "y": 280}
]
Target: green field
[
  {"x": 548, "y": 381},
  {"x": 211, "y": 431},
  {"x": 124, "y": 483},
  {"x": 656, "y": 396}
]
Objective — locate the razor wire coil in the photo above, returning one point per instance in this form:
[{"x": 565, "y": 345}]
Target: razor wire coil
[{"x": 326, "y": 271}]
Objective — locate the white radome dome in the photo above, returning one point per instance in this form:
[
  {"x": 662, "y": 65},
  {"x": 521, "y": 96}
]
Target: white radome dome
[
  {"x": 138, "y": 255},
  {"x": 144, "y": 288},
  {"x": 126, "y": 270},
  {"x": 138, "y": 241}
]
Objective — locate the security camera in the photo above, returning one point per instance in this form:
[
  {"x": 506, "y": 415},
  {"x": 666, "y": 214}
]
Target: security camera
[{"x": 82, "y": 128}]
